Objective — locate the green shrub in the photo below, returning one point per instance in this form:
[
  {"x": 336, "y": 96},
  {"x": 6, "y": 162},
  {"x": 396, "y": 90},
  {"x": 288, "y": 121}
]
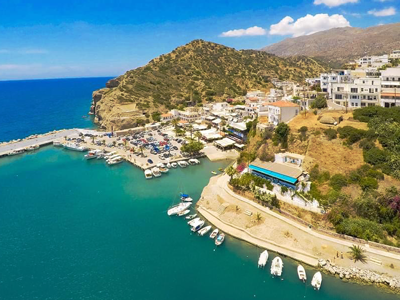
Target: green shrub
[
  {"x": 351, "y": 134},
  {"x": 361, "y": 228},
  {"x": 338, "y": 181},
  {"x": 375, "y": 156},
  {"x": 368, "y": 183},
  {"x": 375, "y": 174},
  {"x": 367, "y": 144},
  {"x": 330, "y": 133}
]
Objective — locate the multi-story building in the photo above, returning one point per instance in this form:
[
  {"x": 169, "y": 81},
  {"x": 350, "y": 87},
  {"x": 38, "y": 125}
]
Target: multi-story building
[
  {"x": 373, "y": 61},
  {"x": 390, "y": 87},
  {"x": 395, "y": 54},
  {"x": 359, "y": 93},
  {"x": 327, "y": 79},
  {"x": 282, "y": 111}
]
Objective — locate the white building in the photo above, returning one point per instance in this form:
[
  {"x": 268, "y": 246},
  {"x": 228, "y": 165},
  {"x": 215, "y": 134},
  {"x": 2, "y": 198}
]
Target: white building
[
  {"x": 395, "y": 54},
  {"x": 282, "y": 111},
  {"x": 255, "y": 94},
  {"x": 327, "y": 79},
  {"x": 390, "y": 87},
  {"x": 360, "y": 93},
  {"x": 373, "y": 61}
]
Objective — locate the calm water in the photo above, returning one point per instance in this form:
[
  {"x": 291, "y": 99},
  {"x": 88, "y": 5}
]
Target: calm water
[
  {"x": 76, "y": 229},
  {"x": 38, "y": 106}
]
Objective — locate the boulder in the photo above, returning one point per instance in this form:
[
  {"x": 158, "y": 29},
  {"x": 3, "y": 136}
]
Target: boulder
[{"x": 328, "y": 120}]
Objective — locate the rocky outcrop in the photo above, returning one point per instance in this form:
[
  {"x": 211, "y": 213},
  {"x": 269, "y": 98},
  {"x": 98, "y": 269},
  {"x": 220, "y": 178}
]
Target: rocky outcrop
[
  {"x": 113, "y": 83},
  {"x": 358, "y": 274}
]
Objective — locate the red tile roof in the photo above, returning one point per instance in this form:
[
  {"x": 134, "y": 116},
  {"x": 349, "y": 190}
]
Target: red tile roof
[{"x": 283, "y": 104}]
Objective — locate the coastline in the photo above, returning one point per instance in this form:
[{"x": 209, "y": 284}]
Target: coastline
[{"x": 236, "y": 217}]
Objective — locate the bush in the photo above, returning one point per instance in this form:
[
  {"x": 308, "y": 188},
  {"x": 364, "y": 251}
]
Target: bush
[
  {"x": 361, "y": 228},
  {"x": 351, "y": 134},
  {"x": 375, "y": 174},
  {"x": 303, "y": 129},
  {"x": 375, "y": 156},
  {"x": 368, "y": 183},
  {"x": 330, "y": 133},
  {"x": 320, "y": 102},
  {"x": 282, "y": 134},
  {"x": 338, "y": 181},
  {"x": 367, "y": 144}
]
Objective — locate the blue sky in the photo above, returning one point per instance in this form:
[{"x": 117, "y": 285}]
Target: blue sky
[{"x": 55, "y": 39}]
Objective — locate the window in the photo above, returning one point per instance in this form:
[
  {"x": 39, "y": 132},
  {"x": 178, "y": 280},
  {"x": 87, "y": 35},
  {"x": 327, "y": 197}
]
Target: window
[
  {"x": 338, "y": 96},
  {"x": 354, "y": 90}
]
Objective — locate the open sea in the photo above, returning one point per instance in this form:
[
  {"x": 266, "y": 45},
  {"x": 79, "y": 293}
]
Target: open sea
[{"x": 77, "y": 229}]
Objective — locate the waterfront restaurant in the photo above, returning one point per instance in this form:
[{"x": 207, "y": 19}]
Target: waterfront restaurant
[
  {"x": 238, "y": 132},
  {"x": 278, "y": 173}
]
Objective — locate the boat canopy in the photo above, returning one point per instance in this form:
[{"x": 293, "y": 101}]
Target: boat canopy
[{"x": 184, "y": 195}]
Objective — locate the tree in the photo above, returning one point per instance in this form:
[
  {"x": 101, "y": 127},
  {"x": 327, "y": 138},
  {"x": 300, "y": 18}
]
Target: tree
[
  {"x": 192, "y": 147},
  {"x": 175, "y": 123},
  {"x": 357, "y": 254},
  {"x": 282, "y": 133},
  {"x": 198, "y": 135},
  {"x": 320, "y": 102},
  {"x": 190, "y": 128},
  {"x": 231, "y": 171},
  {"x": 258, "y": 217}
]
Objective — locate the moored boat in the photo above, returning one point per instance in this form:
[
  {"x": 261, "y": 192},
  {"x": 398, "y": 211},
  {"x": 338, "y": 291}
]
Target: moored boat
[
  {"x": 317, "y": 281},
  {"x": 262, "y": 260},
  {"x": 197, "y": 225},
  {"x": 92, "y": 154},
  {"x": 185, "y": 197},
  {"x": 16, "y": 151},
  {"x": 276, "y": 266},
  {"x": 184, "y": 213},
  {"x": 75, "y": 147},
  {"x": 183, "y": 164},
  {"x": 204, "y": 230},
  {"x": 148, "y": 174},
  {"x": 169, "y": 166},
  {"x": 220, "y": 239},
  {"x": 174, "y": 165},
  {"x": 191, "y": 222},
  {"x": 214, "y": 233},
  {"x": 178, "y": 208},
  {"x": 115, "y": 161},
  {"x": 156, "y": 172},
  {"x": 301, "y": 272},
  {"x": 162, "y": 168},
  {"x": 190, "y": 217},
  {"x": 213, "y": 172},
  {"x": 193, "y": 161}
]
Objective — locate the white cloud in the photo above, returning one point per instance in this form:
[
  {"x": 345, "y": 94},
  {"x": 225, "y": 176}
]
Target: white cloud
[
  {"x": 308, "y": 24},
  {"x": 333, "y": 3},
  {"x": 386, "y": 12},
  {"x": 251, "y": 31}
]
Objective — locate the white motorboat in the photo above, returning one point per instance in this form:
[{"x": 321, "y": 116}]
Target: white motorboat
[
  {"x": 162, "y": 168},
  {"x": 148, "y": 174},
  {"x": 174, "y": 165},
  {"x": 156, "y": 172},
  {"x": 16, "y": 151},
  {"x": 178, "y": 208},
  {"x": 183, "y": 164},
  {"x": 196, "y": 161},
  {"x": 192, "y": 161},
  {"x": 185, "y": 197},
  {"x": 115, "y": 161},
  {"x": 214, "y": 233},
  {"x": 184, "y": 213},
  {"x": 112, "y": 157},
  {"x": 169, "y": 166},
  {"x": 108, "y": 155},
  {"x": 317, "y": 281},
  {"x": 197, "y": 226},
  {"x": 75, "y": 147},
  {"x": 191, "y": 222},
  {"x": 190, "y": 217},
  {"x": 204, "y": 230},
  {"x": 92, "y": 154},
  {"x": 276, "y": 266},
  {"x": 301, "y": 272},
  {"x": 220, "y": 239},
  {"x": 32, "y": 148},
  {"x": 57, "y": 143},
  {"x": 262, "y": 260}
]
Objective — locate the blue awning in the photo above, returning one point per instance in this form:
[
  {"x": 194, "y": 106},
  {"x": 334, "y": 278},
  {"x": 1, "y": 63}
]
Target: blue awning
[
  {"x": 274, "y": 174},
  {"x": 184, "y": 195}
]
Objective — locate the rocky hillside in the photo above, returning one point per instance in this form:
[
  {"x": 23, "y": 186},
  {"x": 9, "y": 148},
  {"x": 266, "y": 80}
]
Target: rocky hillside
[
  {"x": 199, "y": 71},
  {"x": 338, "y": 45}
]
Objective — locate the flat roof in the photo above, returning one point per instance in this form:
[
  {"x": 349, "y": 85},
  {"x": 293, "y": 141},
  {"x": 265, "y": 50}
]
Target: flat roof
[
  {"x": 240, "y": 126},
  {"x": 281, "y": 171},
  {"x": 225, "y": 142}
]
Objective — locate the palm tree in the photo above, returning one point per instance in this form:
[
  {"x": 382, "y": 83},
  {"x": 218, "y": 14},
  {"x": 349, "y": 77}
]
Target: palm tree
[
  {"x": 175, "y": 123},
  {"x": 231, "y": 171},
  {"x": 198, "y": 135},
  {"x": 190, "y": 127},
  {"x": 357, "y": 253},
  {"x": 258, "y": 217},
  {"x": 92, "y": 139},
  {"x": 141, "y": 149}
]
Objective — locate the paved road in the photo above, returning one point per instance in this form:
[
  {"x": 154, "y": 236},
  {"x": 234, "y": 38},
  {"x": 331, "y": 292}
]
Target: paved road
[{"x": 38, "y": 141}]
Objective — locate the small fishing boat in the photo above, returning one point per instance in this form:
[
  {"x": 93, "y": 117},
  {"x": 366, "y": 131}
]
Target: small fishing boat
[
  {"x": 191, "y": 217},
  {"x": 169, "y": 166},
  {"x": 197, "y": 225},
  {"x": 115, "y": 161},
  {"x": 317, "y": 281},
  {"x": 213, "y": 172},
  {"x": 204, "y": 230},
  {"x": 301, "y": 272},
  {"x": 174, "y": 165},
  {"x": 193, "y": 161},
  {"x": 214, "y": 233},
  {"x": 156, "y": 172},
  {"x": 178, "y": 208},
  {"x": 276, "y": 266},
  {"x": 220, "y": 239},
  {"x": 15, "y": 152},
  {"x": 162, "y": 168},
  {"x": 148, "y": 174},
  {"x": 262, "y": 260},
  {"x": 185, "y": 197},
  {"x": 191, "y": 222},
  {"x": 184, "y": 213},
  {"x": 183, "y": 164},
  {"x": 92, "y": 154}
]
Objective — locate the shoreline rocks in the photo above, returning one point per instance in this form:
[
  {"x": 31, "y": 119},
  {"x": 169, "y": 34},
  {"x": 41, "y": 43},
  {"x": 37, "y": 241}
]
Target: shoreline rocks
[{"x": 360, "y": 275}]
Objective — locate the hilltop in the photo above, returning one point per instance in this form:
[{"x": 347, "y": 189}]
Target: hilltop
[
  {"x": 338, "y": 45},
  {"x": 199, "y": 71}
]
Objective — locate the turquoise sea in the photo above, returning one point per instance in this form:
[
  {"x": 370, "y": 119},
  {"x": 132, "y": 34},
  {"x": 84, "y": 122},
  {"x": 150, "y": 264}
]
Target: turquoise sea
[{"x": 77, "y": 229}]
